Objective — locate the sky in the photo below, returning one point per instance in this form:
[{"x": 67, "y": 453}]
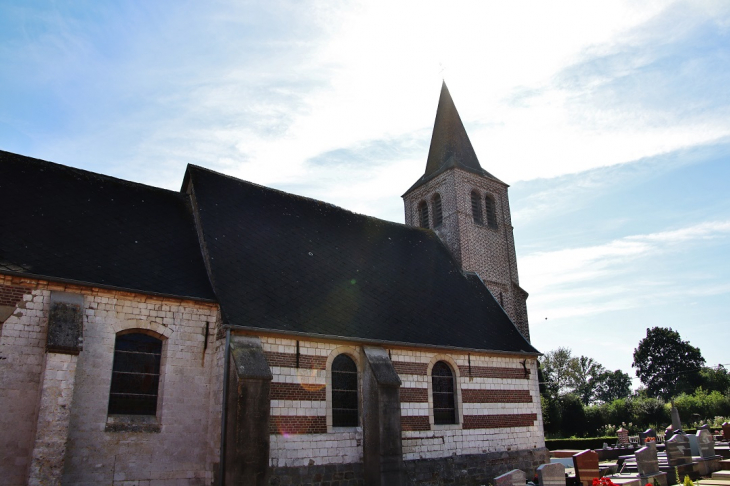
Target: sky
[{"x": 609, "y": 120}]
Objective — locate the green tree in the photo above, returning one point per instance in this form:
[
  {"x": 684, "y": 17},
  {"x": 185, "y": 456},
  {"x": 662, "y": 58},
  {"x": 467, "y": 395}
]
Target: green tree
[
  {"x": 613, "y": 385},
  {"x": 715, "y": 379},
  {"x": 573, "y": 416},
  {"x": 557, "y": 370},
  {"x": 585, "y": 375},
  {"x": 666, "y": 364}
]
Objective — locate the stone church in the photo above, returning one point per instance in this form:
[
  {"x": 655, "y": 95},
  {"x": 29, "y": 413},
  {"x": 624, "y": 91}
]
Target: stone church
[{"x": 230, "y": 333}]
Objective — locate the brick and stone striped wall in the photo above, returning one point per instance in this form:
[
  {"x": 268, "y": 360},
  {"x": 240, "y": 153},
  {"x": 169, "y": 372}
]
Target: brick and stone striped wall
[{"x": 498, "y": 403}]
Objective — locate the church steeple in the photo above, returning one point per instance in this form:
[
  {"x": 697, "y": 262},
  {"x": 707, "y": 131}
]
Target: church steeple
[
  {"x": 468, "y": 208},
  {"x": 450, "y": 145}
]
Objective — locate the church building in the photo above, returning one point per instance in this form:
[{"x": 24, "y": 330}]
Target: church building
[{"x": 233, "y": 334}]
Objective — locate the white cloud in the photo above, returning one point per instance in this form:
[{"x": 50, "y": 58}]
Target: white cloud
[{"x": 613, "y": 276}]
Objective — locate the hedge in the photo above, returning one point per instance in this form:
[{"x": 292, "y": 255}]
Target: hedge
[{"x": 580, "y": 444}]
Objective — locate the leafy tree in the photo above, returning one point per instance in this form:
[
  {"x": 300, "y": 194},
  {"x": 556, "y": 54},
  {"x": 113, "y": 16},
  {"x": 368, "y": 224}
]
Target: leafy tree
[
  {"x": 585, "y": 374},
  {"x": 613, "y": 385},
  {"x": 715, "y": 379},
  {"x": 557, "y": 370},
  {"x": 574, "y": 416},
  {"x": 666, "y": 364}
]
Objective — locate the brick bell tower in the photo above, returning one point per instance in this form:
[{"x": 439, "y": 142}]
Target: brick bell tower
[{"x": 469, "y": 210}]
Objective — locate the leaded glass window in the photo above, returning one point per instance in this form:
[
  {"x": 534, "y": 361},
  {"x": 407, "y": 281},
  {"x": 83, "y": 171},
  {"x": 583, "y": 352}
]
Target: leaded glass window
[
  {"x": 344, "y": 392},
  {"x": 444, "y": 402},
  {"x": 135, "y": 375}
]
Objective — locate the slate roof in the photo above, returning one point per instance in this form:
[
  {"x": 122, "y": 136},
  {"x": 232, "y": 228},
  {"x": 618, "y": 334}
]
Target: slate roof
[
  {"x": 291, "y": 264},
  {"x": 450, "y": 144},
  {"x": 67, "y": 224}
]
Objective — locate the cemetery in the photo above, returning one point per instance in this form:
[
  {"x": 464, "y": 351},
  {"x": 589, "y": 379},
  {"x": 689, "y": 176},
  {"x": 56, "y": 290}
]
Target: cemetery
[{"x": 649, "y": 458}]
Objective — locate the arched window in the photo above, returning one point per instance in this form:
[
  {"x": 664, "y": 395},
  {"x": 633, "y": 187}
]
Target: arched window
[
  {"x": 491, "y": 212},
  {"x": 344, "y": 392},
  {"x": 476, "y": 207},
  {"x": 438, "y": 215},
  {"x": 444, "y": 401},
  {"x": 135, "y": 375},
  {"x": 423, "y": 214}
]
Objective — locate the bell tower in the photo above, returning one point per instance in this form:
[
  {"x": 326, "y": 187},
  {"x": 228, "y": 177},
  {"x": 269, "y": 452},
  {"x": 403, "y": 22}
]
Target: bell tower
[{"x": 469, "y": 210}]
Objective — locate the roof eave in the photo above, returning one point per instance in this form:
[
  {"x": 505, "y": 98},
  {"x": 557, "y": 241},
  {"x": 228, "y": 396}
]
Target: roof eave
[
  {"x": 82, "y": 283},
  {"x": 261, "y": 330}
]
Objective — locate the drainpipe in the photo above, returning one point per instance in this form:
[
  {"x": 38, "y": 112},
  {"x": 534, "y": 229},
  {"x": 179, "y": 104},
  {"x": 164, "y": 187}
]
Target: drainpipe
[{"x": 224, "y": 410}]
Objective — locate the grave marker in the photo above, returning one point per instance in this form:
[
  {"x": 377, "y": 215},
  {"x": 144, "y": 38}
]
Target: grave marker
[
  {"x": 586, "y": 467},
  {"x": 551, "y": 474},
  {"x": 513, "y": 478},
  {"x": 678, "y": 450},
  {"x": 706, "y": 444}
]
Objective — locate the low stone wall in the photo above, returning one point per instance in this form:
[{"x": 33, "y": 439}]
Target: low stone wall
[
  {"x": 471, "y": 470},
  {"x": 474, "y": 469},
  {"x": 331, "y": 474}
]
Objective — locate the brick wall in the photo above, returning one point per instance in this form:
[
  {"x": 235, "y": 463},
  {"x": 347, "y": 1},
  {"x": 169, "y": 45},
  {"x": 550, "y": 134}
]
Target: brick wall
[{"x": 490, "y": 252}]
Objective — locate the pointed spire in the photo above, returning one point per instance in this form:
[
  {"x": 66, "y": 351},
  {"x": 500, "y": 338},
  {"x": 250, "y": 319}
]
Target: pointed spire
[{"x": 450, "y": 145}]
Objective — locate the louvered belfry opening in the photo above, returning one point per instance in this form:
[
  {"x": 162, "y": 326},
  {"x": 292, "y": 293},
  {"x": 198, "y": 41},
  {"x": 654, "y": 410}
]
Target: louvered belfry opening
[
  {"x": 135, "y": 375},
  {"x": 491, "y": 212},
  {"x": 476, "y": 207},
  {"x": 444, "y": 403},
  {"x": 438, "y": 215},
  {"x": 423, "y": 214},
  {"x": 344, "y": 392}
]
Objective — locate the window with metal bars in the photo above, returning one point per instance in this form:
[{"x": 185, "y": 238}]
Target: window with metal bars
[
  {"x": 444, "y": 401},
  {"x": 135, "y": 375},
  {"x": 423, "y": 214},
  {"x": 438, "y": 216},
  {"x": 344, "y": 392},
  {"x": 491, "y": 212},
  {"x": 476, "y": 207}
]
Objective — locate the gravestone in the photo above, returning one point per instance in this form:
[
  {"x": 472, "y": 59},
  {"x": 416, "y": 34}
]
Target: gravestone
[
  {"x": 586, "y": 467},
  {"x": 726, "y": 430},
  {"x": 513, "y": 478},
  {"x": 678, "y": 450},
  {"x": 646, "y": 461},
  {"x": 623, "y": 436},
  {"x": 551, "y": 475},
  {"x": 706, "y": 444},
  {"x": 648, "y": 466},
  {"x": 694, "y": 446}
]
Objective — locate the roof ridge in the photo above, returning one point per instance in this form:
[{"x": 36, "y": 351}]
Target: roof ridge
[
  {"x": 305, "y": 198},
  {"x": 86, "y": 171}
]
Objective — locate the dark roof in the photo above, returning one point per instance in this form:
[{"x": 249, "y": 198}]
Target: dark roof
[
  {"x": 450, "y": 145},
  {"x": 291, "y": 264},
  {"x": 62, "y": 223}
]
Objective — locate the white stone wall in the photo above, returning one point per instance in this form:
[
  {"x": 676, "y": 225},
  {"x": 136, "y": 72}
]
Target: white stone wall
[{"x": 181, "y": 452}]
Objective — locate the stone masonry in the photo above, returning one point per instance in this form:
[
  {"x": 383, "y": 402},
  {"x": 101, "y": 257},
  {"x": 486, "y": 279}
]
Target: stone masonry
[
  {"x": 59, "y": 418},
  {"x": 490, "y": 252}
]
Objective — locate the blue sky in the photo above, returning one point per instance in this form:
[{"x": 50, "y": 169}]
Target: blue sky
[{"x": 610, "y": 120}]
